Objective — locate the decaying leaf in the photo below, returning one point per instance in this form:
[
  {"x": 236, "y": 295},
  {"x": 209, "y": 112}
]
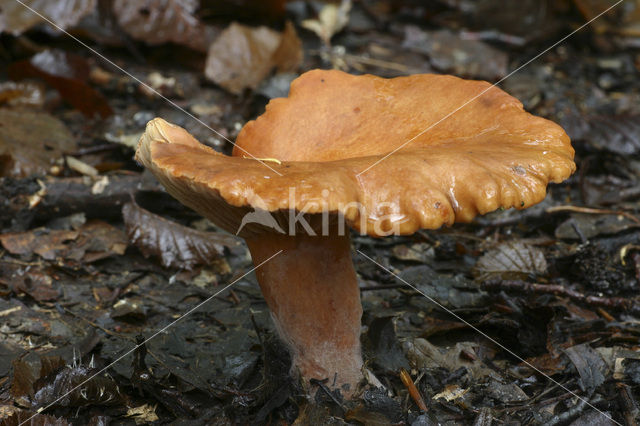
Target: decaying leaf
[
  {"x": 22, "y": 381},
  {"x": 451, "y": 393},
  {"x": 16, "y": 18},
  {"x": 100, "y": 390},
  {"x": 163, "y": 21},
  {"x": 423, "y": 355},
  {"x": 590, "y": 365},
  {"x": 619, "y": 134},
  {"x": 331, "y": 20},
  {"x": 513, "y": 259},
  {"x": 241, "y": 57},
  {"x": 449, "y": 52},
  {"x": 35, "y": 283},
  {"x": 177, "y": 246},
  {"x": 48, "y": 244},
  {"x": 33, "y": 419},
  {"x": 68, "y": 74},
  {"x": 93, "y": 241},
  {"x": 31, "y": 142},
  {"x": 144, "y": 414}
]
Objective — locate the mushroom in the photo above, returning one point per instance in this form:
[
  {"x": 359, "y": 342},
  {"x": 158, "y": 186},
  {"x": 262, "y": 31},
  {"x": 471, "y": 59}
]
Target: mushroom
[{"x": 308, "y": 178}]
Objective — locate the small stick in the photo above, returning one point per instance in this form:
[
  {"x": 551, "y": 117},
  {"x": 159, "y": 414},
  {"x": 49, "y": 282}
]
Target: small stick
[
  {"x": 618, "y": 303},
  {"x": 413, "y": 390},
  {"x": 592, "y": 211}
]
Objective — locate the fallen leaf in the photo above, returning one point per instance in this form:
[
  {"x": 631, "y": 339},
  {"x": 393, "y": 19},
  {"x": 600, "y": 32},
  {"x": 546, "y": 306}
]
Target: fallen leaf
[
  {"x": 513, "y": 259},
  {"x": 590, "y": 365},
  {"x": 48, "y": 244},
  {"x": 33, "y": 419},
  {"x": 31, "y": 142},
  {"x": 451, "y": 393},
  {"x": 144, "y": 414},
  {"x": 16, "y": 18},
  {"x": 72, "y": 382},
  {"x": 331, "y": 20},
  {"x": 93, "y": 241},
  {"x": 68, "y": 74},
  {"x": 448, "y": 52},
  {"x": 241, "y": 57},
  {"x": 22, "y": 381},
  {"x": 163, "y": 21},
  {"x": 177, "y": 246}
]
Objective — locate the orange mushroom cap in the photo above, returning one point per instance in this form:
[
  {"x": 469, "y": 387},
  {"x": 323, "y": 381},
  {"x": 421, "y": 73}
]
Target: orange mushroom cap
[{"x": 334, "y": 126}]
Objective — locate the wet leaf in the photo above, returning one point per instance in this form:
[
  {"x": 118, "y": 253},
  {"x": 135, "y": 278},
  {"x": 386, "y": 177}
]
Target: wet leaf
[
  {"x": 592, "y": 225},
  {"x": 129, "y": 310},
  {"x": 100, "y": 390},
  {"x": 177, "y": 246},
  {"x": 31, "y": 142},
  {"x": 505, "y": 393},
  {"x": 93, "y": 241},
  {"x": 36, "y": 284},
  {"x": 16, "y": 19},
  {"x": 387, "y": 353},
  {"x": 331, "y": 20},
  {"x": 590, "y": 365},
  {"x": 68, "y": 74},
  {"x": 511, "y": 260},
  {"x": 48, "y": 244},
  {"x": 449, "y": 52},
  {"x": 241, "y": 57},
  {"x": 424, "y": 355},
  {"x": 33, "y": 419},
  {"x": 22, "y": 381},
  {"x": 163, "y": 21},
  {"x": 619, "y": 134}
]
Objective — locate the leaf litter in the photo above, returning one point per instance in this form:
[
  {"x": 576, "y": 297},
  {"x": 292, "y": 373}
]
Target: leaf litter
[{"x": 557, "y": 287}]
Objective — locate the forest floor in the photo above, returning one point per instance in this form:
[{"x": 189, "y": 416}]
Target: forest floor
[{"x": 556, "y": 285}]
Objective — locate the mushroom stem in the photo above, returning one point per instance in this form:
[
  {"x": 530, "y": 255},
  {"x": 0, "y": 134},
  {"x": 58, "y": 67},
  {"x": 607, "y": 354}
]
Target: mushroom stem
[{"x": 312, "y": 291}]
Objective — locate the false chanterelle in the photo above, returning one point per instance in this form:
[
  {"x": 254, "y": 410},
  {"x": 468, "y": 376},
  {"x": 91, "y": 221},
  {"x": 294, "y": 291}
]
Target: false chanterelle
[{"x": 344, "y": 151}]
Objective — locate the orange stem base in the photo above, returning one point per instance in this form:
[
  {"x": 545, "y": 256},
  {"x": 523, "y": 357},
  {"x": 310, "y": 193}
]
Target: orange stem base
[{"x": 312, "y": 291}]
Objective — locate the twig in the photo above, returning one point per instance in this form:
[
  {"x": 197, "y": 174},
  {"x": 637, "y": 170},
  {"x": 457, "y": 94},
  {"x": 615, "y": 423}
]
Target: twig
[
  {"x": 589, "y": 210},
  {"x": 618, "y": 303},
  {"x": 413, "y": 390}
]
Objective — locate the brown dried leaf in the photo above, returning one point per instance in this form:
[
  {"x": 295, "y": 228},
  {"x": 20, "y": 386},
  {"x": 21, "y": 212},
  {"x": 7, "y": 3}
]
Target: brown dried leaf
[
  {"x": 36, "y": 284},
  {"x": 288, "y": 56},
  {"x": 31, "y": 142},
  {"x": 93, "y": 241},
  {"x": 177, "y": 246},
  {"x": 241, "y": 57},
  {"x": 49, "y": 244},
  {"x": 68, "y": 74},
  {"x": 163, "y": 21},
  {"x": 16, "y": 18},
  {"x": 22, "y": 381},
  {"x": 513, "y": 259}
]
